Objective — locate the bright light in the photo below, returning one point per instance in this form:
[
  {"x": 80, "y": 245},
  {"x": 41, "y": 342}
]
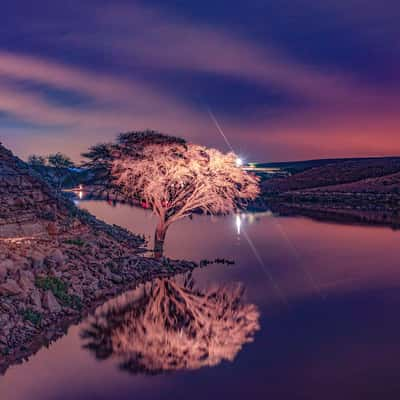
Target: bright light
[
  {"x": 238, "y": 224},
  {"x": 80, "y": 192},
  {"x": 239, "y": 162}
]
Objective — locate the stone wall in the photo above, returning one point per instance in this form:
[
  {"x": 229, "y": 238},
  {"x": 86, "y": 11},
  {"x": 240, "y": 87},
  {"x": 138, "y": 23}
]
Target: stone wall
[{"x": 27, "y": 205}]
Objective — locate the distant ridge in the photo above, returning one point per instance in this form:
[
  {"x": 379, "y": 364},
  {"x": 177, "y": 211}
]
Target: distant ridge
[{"x": 302, "y": 165}]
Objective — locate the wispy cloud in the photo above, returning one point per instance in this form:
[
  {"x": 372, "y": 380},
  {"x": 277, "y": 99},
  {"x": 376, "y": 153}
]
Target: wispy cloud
[{"x": 140, "y": 46}]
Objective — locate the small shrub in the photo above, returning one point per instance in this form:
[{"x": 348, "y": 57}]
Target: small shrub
[
  {"x": 75, "y": 242},
  {"x": 5, "y": 352},
  {"x": 32, "y": 316},
  {"x": 60, "y": 291}
]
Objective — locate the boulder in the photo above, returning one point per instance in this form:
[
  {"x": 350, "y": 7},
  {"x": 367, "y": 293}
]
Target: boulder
[
  {"x": 27, "y": 281},
  {"x": 37, "y": 259},
  {"x": 6, "y": 265},
  {"x": 36, "y": 300},
  {"x": 52, "y": 229},
  {"x": 10, "y": 288},
  {"x": 57, "y": 257},
  {"x": 51, "y": 303}
]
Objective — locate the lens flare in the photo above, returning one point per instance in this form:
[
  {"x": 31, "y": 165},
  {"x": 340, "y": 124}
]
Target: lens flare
[{"x": 239, "y": 162}]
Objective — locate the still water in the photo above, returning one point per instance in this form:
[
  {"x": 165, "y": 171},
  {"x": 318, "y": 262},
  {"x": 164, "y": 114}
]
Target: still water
[{"x": 322, "y": 302}]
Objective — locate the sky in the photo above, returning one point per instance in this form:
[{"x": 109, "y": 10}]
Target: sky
[{"x": 285, "y": 79}]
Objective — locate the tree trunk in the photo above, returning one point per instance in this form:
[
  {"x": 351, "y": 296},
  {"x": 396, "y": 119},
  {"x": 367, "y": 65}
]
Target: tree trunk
[{"x": 159, "y": 239}]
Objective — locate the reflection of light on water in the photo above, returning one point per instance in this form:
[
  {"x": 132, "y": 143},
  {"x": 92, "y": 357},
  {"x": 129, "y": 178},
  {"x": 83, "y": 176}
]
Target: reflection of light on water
[
  {"x": 251, "y": 218},
  {"x": 265, "y": 268},
  {"x": 80, "y": 193},
  {"x": 238, "y": 223}
]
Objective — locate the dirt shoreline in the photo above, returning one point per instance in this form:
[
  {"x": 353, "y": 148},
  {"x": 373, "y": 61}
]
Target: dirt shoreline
[{"x": 58, "y": 324}]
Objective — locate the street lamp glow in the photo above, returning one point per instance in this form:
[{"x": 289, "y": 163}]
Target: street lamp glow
[{"x": 239, "y": 162}]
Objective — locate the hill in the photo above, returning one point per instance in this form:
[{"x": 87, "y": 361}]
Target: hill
[
  {"x": 355, "y": 190},
  {"x": 386, "y": 184},
  {"x": 294, "y": 167},
  {"x": 334, "y": 173}
]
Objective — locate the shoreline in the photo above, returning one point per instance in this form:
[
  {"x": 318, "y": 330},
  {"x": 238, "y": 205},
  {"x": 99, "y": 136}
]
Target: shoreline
[
  {"x": 336, "y": 213},
  {"x": 59, "y": 324},
  {"x": 51, "y": 283}
]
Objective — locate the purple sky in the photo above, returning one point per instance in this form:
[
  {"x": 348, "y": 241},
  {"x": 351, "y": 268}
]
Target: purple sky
[{"x": 286, "y": 79}]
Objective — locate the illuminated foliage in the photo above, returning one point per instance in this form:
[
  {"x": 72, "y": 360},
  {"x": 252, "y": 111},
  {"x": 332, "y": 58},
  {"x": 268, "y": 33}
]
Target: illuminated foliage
[
  {"x": 172, "y": 177},
  {"x": 170, "y": 326}
]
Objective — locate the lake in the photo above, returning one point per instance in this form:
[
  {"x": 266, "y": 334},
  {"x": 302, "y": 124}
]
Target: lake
[{"x": 327, "y": 302}]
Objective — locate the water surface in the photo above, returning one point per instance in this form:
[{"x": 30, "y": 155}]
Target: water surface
[{"x": 328, "y": 297}]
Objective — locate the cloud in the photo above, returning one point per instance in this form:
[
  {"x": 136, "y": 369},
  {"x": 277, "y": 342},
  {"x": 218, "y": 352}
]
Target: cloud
[
  {"x": 137, "y": 48},
  {"x": 141, "y": 36}
]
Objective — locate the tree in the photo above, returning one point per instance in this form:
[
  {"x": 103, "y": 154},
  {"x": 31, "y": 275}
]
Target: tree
[
  {"x": 171, "y": 326},
  {"x": 37, "y": 161},
  {"x": 60, "y": 162},
  {"x": 171, "y": 177}
]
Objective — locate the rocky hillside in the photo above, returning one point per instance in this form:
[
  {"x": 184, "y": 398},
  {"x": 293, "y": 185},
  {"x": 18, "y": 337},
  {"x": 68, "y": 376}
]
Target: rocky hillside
[
  {"x": 334, "y": 173},
  {"x": 57, "y": 262},
  {"x": 364, "y": 191},
  {"x": 387, "y": 184},
  {"x": 28, "y": 206}
]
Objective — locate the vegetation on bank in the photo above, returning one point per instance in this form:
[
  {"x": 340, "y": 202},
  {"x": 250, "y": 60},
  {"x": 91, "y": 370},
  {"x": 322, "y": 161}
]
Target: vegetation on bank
[{"x": 58, "y": 170}]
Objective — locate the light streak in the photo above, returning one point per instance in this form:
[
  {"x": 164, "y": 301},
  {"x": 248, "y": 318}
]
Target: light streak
[
  {"x": 316, "y": 288},
  {"x": 265, "y": 269},
  {"x": 216, "y": 123}
]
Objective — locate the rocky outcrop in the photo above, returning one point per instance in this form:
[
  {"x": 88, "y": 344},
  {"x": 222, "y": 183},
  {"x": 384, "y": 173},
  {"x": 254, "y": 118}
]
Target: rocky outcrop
[{"x": 28, "y": 206}]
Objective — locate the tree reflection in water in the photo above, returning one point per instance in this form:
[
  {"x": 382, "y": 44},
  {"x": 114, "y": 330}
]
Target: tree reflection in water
[{"x": 169, "y": 326}]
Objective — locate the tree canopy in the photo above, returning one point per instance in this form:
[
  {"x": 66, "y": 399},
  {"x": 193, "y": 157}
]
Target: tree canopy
[
  {"x": 172, "y": 177},
  {"x": 37, "y": 160},
  {"x": 59, "y": 160}
]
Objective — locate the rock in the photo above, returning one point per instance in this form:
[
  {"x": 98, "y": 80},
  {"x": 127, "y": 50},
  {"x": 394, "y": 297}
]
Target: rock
[
  {"x": 116, "y": 278},
  {"x": 57, "y": 256},
  {"x": 77, "y": 290},
  {"x": 6, "y": 265},
  {"x": 3, "y": 273},
  {"x": 51, "y": 303},
  {"x": 37, "y": 259},
  {"x": 36, "y": 300},
  {"x": 52, "y": 229},
  {"x": 31, "y": 229},
  {"x": 27, "y": 281},
  {"x": 10, "y": 288}
]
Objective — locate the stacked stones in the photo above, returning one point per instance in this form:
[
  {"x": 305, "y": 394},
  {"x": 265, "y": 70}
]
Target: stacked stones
[{"x": 28, "y": 207}]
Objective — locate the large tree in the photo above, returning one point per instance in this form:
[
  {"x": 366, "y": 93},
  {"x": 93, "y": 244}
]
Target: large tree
[{"x": 172, "y": 177}]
